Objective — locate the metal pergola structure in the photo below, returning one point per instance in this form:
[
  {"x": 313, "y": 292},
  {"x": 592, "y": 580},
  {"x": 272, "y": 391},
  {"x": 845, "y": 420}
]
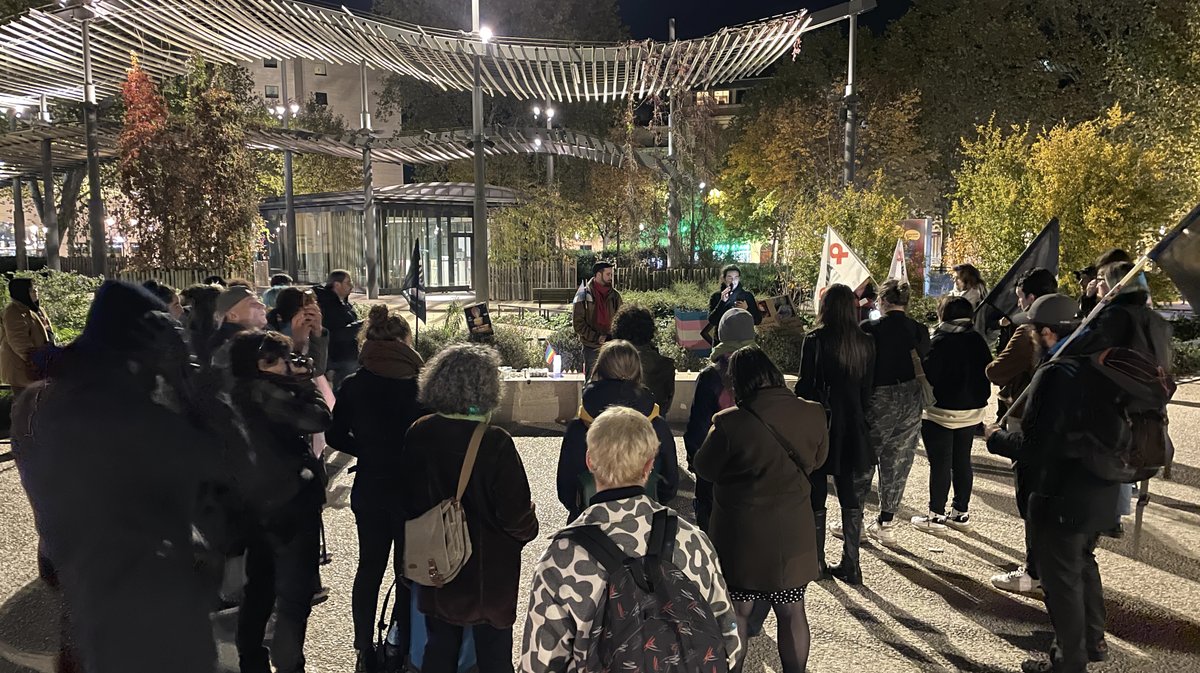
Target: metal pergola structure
[
  {"x": 21, "y": 149},
  {"x": 80, "y": 49}
]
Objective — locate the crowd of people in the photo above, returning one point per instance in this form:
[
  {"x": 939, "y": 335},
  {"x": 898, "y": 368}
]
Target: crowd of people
[{"x": 246, "y": 393}]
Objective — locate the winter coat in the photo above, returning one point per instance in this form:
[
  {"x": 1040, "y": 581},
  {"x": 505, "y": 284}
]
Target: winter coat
[
  {"x": 762, "y": 520},
  {"x": 113, "y": 469},
  {"x": 572, "y": 458},
  {"x": 1013, "y": 368},
  {"x": 713, "y": 393},
  {"x": 280, "y": 413},
  {"x": 375, "y": 407},
  {"x": 499, "y": 513},
  {"x": 1127, "y": 323},
  {"x": 958, "y": 356},
  {"x": 568, "y": 587},
  {"x": 658, "y": 372},
  {"x": 343, "y": 324},
  {"x": 717, "y": 308},
  {"x": 849, "y": 399},
  {"x": 23, "y": 332},
  {"x": 1063, "y": 491},
  {"x": 583, "y": 314}
]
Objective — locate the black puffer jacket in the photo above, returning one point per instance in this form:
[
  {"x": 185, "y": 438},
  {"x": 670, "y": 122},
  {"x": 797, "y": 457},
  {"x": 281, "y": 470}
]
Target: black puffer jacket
[{"x": 572, "y": 459}]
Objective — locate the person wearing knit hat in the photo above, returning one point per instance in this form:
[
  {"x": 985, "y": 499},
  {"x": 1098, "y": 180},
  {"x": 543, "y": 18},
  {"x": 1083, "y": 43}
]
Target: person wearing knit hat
[
  {"x": 714, "y": 393},
  {"x": 112, "y": 458},
  {"x": 240, "y": 310}
]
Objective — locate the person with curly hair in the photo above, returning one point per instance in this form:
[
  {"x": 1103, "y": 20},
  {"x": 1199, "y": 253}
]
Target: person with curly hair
[
  {"x": 636, "y": 325},
  {"x": 461, "y": 387}
]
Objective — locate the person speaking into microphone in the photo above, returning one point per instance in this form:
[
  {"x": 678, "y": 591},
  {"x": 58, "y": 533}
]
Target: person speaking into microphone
[{"x": 731, "y": 295}]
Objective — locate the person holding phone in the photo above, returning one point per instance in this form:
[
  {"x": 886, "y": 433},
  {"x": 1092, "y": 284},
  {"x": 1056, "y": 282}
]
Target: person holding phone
[{"x": 732, "y": 295}]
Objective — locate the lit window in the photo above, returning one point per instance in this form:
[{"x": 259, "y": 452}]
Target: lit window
[
  {"x": 320, "y": 69},
  {"x": 270, "y": 63},
  {"x": 271, "y": 91},
  {"x": 721, "y": 97},
  {"x": 321, "y": 98}
]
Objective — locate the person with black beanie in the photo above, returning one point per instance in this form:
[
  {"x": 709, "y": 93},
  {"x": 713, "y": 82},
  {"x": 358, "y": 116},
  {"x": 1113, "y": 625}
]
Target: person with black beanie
[{"x": 26, "y": 331}]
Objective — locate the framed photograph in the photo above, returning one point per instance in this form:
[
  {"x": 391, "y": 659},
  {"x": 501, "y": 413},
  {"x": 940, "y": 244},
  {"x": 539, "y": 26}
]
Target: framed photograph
[
  {"x": 766, "y": 308},
  {"x": 479, "y": 321}
]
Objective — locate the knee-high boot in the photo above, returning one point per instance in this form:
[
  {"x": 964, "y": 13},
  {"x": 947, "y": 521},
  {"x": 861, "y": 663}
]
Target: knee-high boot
[
  {"x": 822, "y": 566},
  {"x": 849, "y": 570}
]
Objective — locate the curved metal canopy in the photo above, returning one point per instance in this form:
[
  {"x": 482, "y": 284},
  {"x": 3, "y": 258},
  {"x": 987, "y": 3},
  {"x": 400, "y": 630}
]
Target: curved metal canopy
[
  {"x": 41, "y": 52},
  {"x": 20, "y": 151}
]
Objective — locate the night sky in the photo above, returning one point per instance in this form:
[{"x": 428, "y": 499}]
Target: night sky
[{"x": 694, "y": 18}]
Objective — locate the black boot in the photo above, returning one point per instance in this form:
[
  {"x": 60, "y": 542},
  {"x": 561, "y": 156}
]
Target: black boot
[
  {"x": 368, "y": 661},
  {"x": 822, "y": 566},
  {"x": 849, "y": 570}
]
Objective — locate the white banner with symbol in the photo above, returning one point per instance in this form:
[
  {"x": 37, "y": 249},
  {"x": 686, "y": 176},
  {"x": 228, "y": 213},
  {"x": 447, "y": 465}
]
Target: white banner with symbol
[
  {"x": 899, "y": 268},
  {"x": 839, "y": 264}
]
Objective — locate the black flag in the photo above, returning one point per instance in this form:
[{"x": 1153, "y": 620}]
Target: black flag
[
  {"x": 414, "y": 284},
  {"x": 1179, "y": 255},
  {"x": 1002, "y": 301}
]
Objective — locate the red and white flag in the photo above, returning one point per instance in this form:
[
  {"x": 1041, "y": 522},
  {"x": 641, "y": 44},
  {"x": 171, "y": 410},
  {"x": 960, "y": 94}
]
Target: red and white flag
[
  {"x": 899, "y": 268},
  {"x": 839, "y": 264}
]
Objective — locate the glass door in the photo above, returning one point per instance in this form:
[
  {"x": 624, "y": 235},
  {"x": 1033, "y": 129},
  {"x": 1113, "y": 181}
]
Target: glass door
[{"x": 460, "y": 269}]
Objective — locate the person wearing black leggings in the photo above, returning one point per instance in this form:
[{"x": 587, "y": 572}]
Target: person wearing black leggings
[
  {"x": 375, "y": 407},
  {"x": 837, "y": 362},
  {"x": 956, "y": 368}
]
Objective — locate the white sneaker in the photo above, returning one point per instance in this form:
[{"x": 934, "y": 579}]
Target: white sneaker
[
  {"x": 960, "y": 521},
  {"x": 835, "y": 529},
  {"x": 1017, "y": 581},
  {"x": 883, "y": 533},
  {"x": 933, "y": 523}
]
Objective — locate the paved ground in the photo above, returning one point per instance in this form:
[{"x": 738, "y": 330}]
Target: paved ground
[{"x": 925, "y": 607}]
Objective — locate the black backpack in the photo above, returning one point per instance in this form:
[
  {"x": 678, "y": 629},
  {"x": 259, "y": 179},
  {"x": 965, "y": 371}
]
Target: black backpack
[
  {"x": 652, "y": 617},
  {"x": 1118, "y": 427}
]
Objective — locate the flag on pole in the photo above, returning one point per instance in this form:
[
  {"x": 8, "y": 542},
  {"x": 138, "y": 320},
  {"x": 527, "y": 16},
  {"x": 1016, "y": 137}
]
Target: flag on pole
[
  {"x": 1179, "y": 256},
  {"x": 839, "y": 264},
  {"x": 414, "y": 284},
  {"x": 550, "y": 353},
  {"x": 1002, "y": 300},
  {"x": 899, "y": 269}
]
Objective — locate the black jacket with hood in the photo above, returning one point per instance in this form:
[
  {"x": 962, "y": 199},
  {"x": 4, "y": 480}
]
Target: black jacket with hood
[
  {"x": 572, "y": 459},
  {"x": 343, "y": 324}
]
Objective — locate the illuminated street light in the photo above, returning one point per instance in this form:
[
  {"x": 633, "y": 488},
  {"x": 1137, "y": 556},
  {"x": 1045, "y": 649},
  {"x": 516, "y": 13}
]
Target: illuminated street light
[{"x": 485, "y": 34}]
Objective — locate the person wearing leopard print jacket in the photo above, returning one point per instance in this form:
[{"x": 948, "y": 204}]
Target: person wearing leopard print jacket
[{"x": 567, "y": 586}]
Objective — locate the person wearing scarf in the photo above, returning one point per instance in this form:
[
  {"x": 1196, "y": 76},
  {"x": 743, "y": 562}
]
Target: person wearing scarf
[
  {"x": 956, "y": 368},
  {"x": 375, "y": 407},
  {"x": 592, "y": 313},
  {"x": 26, "y": 331}
]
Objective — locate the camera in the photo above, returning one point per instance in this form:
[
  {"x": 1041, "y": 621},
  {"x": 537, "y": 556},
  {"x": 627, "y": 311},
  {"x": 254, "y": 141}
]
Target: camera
[
  {"x": 1088, "y": 273},
  {"x": 300, "y": 365}
]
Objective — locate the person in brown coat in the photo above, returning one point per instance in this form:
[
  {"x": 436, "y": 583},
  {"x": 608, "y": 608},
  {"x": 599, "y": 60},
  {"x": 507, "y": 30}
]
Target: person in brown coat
[
  {"x": 759, "y": 455},
  {"x": 26, "y": 330},
  {"x": 461, "y": 386},
  {"x": 592, "y": 312}
]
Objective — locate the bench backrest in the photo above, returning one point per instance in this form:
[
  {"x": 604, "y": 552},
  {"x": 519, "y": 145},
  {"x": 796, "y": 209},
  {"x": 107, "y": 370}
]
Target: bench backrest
[{"x": 559, "y": 295}]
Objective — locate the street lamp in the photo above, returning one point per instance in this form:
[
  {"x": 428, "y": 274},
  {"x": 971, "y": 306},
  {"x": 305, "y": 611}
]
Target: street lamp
[{"x": 548, "y": 113}]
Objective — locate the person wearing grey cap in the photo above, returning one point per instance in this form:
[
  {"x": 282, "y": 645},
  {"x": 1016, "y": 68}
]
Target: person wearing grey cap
[
  {"x": 238, "y": 310},
  {"x": 1068, "y": 506},
  {"x": 713, "y": 394}
]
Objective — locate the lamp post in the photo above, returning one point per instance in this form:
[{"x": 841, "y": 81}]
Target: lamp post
[
  {"x": 548, "y": 113},
  {"x": 479, "y": 233},
  {"x": 18, "y": 206},
  {"x": 692, "y": 225},
  {"x": 292, "y": 258}
]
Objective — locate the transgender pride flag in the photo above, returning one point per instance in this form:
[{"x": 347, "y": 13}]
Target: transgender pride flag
[{"x": 689, "y": 326}]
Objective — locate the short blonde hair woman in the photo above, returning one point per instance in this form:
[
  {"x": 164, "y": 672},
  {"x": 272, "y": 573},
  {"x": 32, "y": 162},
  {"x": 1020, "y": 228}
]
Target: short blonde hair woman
[{"x": 621, "y": 448}]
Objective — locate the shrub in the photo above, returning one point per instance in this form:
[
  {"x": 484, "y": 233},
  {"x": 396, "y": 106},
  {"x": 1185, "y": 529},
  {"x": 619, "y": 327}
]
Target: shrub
[
  {"x": 1186, "y": 329},
  {"x": 663, "y": 303},
  {"x": 65, "y": 297},
  {"x": 668, "y": 345},
  {"x": 515, "y": 348},
  {"x": 1187, "y": 358},
  {"x": 567, "y": 344},
  {"x": 783, "y": 345}
]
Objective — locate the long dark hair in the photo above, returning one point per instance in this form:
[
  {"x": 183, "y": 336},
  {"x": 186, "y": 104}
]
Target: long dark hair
[
  {"x": 752, "y": 370},
  {"x": 843, "y": 338},
  {"x": 288, "y": 303}
]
